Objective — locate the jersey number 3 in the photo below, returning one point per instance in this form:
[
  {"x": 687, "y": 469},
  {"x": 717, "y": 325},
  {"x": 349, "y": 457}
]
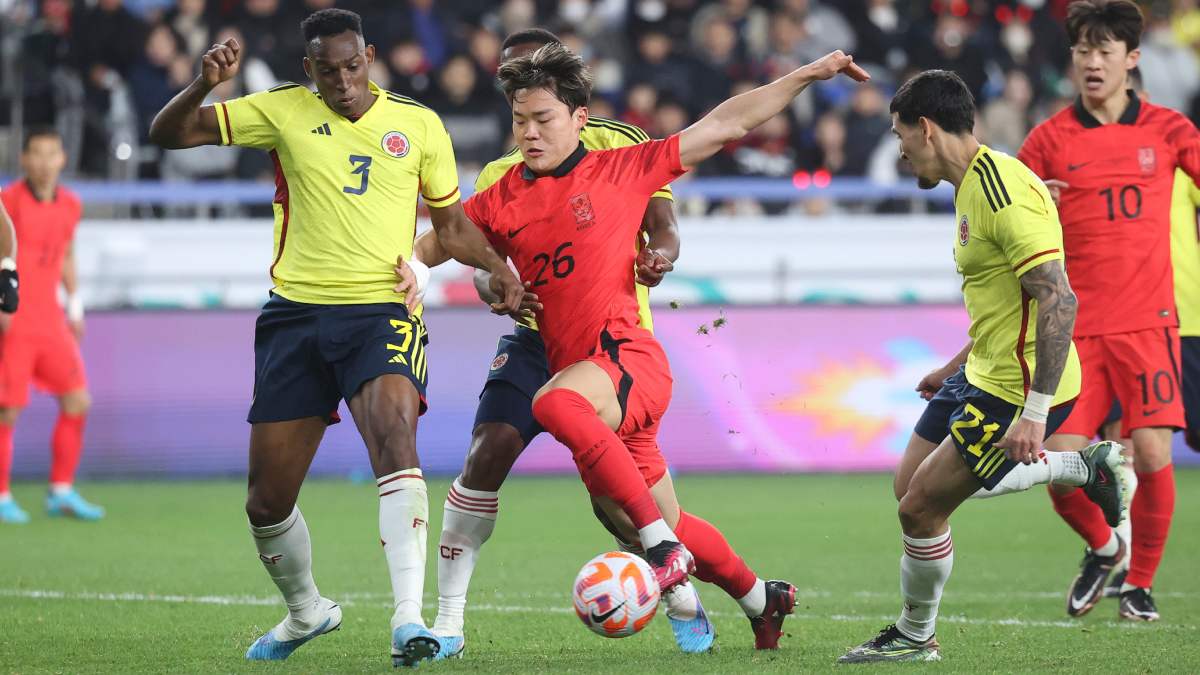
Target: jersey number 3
[{"x": 362, "y": 168}]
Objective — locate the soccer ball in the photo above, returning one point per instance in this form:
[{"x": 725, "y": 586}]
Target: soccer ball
[{"x": 616, "y": 594}]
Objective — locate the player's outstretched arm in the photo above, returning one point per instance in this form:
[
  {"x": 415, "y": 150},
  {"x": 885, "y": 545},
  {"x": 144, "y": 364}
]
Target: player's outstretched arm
[
  {"x": 661, "y": 251},
  {"x": 734, "y": 118},
  {"x": 184, "y": 122},
  {"x": 1057, "y": 305},
  {"x": 466, "y": 244}
]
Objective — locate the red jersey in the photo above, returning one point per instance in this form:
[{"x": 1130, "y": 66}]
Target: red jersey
[
  {"x": 568, "y": 234},
  {"x": 44, "y": 233},
  {"x": 1116, "y": 214}
]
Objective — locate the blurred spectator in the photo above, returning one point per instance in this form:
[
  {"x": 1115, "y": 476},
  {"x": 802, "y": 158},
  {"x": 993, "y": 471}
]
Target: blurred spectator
[
  {"x": 107, "y": 41},
  {"x": 409, "y": 68},
  {"x": 1007, "y": 118},
  {"x": 1169, "y": 68},
  {"x": 871, "y": 123},
  {"x": 823, "y": 30},
  {"x": 475, "y": 117},
  {"x": 719, "y": 61},
  {"x": 751, "y": 22},
  {"x": 640, "y": 104},
  {"x": 658, "y": 66},
  {"x": 953, "y": 46},
  {"x": 162, "y": 72},
  {"x": 187, "y": 19}
]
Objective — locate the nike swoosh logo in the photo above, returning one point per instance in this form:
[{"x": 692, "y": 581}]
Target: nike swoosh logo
[
  {"x": 1150, "y": 412},
  {"x": 1073, "y": 167},
  {"x": 518, "y": 230},
  {"x": 1091, "y": 591},
  {"x": 601, "y": 618}
]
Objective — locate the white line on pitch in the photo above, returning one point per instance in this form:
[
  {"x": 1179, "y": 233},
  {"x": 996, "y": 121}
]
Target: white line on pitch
[{"x": 255, "y": 601}]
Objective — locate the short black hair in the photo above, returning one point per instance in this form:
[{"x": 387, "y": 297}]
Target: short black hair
[
  {"x": 1135, "y": 78},
  {"x": 332, "y": 21},
  {"x": 39, "y": 131},
  {"x": 1094, "y": 21},
  {"x": 537, "y": 36},
  {"x": 939, "y": 96},
  {"x": 552, "y": 67}
]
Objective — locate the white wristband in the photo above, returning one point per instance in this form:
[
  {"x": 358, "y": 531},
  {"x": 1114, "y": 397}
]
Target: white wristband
[
  {"x": 75, "y": 307},
  {"x": 8, "y": 264},
  {"x": 422, "y": 273},
  {"x": 1037, "y": 407}
]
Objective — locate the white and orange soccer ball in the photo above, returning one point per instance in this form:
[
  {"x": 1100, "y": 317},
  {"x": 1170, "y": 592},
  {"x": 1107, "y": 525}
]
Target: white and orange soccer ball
[{"x": 616, "y": 594}]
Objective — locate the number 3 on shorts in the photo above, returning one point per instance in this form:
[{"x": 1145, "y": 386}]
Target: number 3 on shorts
[{"x": 411, "y": 350}]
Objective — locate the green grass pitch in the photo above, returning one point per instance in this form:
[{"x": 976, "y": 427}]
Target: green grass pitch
[{"x": 170, "y": 582}]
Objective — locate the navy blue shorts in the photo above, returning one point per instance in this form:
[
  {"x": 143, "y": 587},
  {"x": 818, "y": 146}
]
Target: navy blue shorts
[
  {"x": 519, "y": 369},
  {"x": 309, "y": 357},
  {"x": 1189, "y": 347},
  {"x": 975, "y": 420}
]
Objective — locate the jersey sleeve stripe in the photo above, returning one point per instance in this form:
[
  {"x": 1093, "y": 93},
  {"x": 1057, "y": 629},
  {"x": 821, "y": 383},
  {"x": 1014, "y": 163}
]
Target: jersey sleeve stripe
[
  {"x": 284, "y": 87},
  {"x": 1035, "y": 256},
  {"x": 996, "y": 174},
  {"x": 443, "y": 198},
  {"x": 983, "y": 186},
  {"x": 623, "y": 132},
  {"x": 632, "y": 128},
  {"x": 995, "y": 194},
  {"x": 228, "y": 129},
  {"x": 1020, "y": 350}
]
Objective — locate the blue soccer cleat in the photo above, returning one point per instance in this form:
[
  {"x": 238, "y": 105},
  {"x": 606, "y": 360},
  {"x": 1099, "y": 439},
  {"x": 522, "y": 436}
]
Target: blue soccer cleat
[
  {"x": 413, "y": 643},
  {"x": 71, "y": 504},
  {"x": 694, "y": 633},
  {"x": 271, "y": 648},
  {"x": 452, "y": 647},
  {"x": 12, "y": 513}
]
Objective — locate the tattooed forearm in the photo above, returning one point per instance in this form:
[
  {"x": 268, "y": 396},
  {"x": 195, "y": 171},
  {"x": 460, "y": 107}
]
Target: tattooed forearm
[{"x": 1056, "y": 308}]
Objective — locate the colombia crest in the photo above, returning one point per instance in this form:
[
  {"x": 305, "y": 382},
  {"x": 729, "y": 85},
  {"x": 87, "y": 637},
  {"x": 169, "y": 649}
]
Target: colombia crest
[
  {"x": 395, "y": 144},
  {"x": 964, "y": 230}
]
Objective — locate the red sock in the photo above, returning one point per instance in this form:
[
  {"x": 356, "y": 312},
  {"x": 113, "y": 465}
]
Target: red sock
[
  {"x": 5, "y": 456},
  {"x": 604, "y": 463},
  {"x": 1153, "y": 506},
  {"x": 66, "y": 447},
  {"x": 1083, "y": 516},
  {"x": 716, "y": 563}
]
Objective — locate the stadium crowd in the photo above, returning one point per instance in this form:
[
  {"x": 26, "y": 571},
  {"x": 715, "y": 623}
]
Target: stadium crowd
[{"x": 99, "y": 69}]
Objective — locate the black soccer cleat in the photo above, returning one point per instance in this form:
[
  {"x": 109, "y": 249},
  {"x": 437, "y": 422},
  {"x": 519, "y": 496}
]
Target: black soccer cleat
[
  {"x": 1107, "y": 484},
  {"x": 1138, "y": 605},
  {"x": 1088, "y": 587},
  {"x": 892, "y": 645},
  {"x": 671, "y": 562},
  {"x": 1113, "y": 588},
  {"x": 768, "y": 626}
]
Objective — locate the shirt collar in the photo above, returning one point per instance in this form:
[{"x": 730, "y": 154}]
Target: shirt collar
[
  {"x": 563, "y": 169},
  {"x": 1128, "y": 117}
]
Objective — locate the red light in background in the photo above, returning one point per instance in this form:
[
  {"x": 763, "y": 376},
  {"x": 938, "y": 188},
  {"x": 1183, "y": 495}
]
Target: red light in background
[
  {"x": 801, "y": 180},
  {"x": 1004, "y": 14},
  {"x": 959, "y": 8},
  {"x": 821, "y": 178},
  {"x": 1024, "y": 13}
]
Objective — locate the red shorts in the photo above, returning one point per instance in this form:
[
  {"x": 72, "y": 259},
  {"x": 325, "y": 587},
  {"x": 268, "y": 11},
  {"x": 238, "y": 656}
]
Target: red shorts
[
  {"x": 642, "y": 377},
  {"x": 1138, "y": 369},
  {"x": 50, "y": 361}
]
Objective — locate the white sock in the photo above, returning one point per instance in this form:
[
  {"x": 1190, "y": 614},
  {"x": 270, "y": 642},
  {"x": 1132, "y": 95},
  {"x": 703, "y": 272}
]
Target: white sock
[
  {"x": 924, "y": 569},
  {"x": 286, "y": 552},
  {"x": 1125, "y": 527},
  {"x": 655, "y": 533},
  {"x": 682, "y": 602},
  {"x": 754, "y": 603},
  {"x": 403, "y": 523},
  {"x": 5, "y": 496},
  {"x": 468, "y": 518},
  {"x": 1109, "y": 549},
  {"x": 1060, "y": 468},
  {"x": 60, "y": 488}
]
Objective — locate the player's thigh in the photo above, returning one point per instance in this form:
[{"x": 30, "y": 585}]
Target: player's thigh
[
  {"x": 280, "y": 454},
  {"x": 17, "y": 358},
  {"x": 593, "y": 383},
  {"x": 1151, "y": 448},
  {"x": 385, "y": 412},
  {"x": 619, "y": 523},
  {"x": 380, "y": 342},
  {"x": 931, "y": 429},
  {"x": 494, "y": 449},
  {"x": 58, "y": 369},
  {"x": 291, "y": 379},
  {"x": 1146, "y": 375},
  {"x": 1190, "y": 357},
  {"x": 940, "y": 484}
]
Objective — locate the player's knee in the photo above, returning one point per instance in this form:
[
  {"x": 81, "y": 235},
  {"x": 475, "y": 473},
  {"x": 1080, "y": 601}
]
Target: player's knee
[
  {"x": 263, "y": 510},
  {"x": 495, "y": 447},
  {"x": 900, "y": 485},
  {"x": 916, "y": 514},
  {"x": 1151, "y": 456},
  {"x": 76, "y": 403},
  {"x": 8, "y": 416}
]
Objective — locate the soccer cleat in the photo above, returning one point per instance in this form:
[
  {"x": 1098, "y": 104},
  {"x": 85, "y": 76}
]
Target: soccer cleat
[
  {"x": 72, "y": 505},
  {"x": 892, "y": 645},
  {"x": 12, "y": 513},
  {"x": 270, "y": 648},
  {"x": 1088, "y": 586},
  {"x": 1137, "y": 605},
  {"x": 1108, "y": 485},
  {"x": 694, "y": 633},
  {"x": 768, "y": 626},
  {"x": 452, "y": 647},
  {"x": 413, "y": 643},
  {"x": 671, "y": 562},
  {"x": 1113, "y": 588}
]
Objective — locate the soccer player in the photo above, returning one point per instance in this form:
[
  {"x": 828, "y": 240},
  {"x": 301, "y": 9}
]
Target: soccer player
[
  {"x": 350, "y": 161},
  {"x": 1113, "y": 158},
  {"x": 566, "y": 217},
  {"x": 1022, "y": 372},
  {"x": 504, "y": 424},
  {"x": 39, "y": 345}
]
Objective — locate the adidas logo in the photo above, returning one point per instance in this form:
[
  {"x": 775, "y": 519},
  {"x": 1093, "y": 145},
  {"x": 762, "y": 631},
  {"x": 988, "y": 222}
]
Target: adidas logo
[{"x": 323, "y": 130}]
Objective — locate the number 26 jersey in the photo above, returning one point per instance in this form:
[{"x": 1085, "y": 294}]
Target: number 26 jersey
[{"x": 1116, "y": 214}]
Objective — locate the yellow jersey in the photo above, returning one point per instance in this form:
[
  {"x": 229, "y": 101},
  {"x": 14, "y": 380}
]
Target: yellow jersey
[
  {"x": 1185, "y": 252},
  {"x": 346, "y": 191},
  {"x": 599, "y": 133},
  {"x": 1007, "y": 225}
]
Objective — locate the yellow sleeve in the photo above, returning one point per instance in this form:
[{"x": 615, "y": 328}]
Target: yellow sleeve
[
  {"x": 1193, "y": 190},
  {"x": 1026, "y": 231},
  {"x": 439, "y": 174},
  {"x": 495, "y": 170},
  {"x": 609, "y": 134},
  {"x": 254, "y": 121}
]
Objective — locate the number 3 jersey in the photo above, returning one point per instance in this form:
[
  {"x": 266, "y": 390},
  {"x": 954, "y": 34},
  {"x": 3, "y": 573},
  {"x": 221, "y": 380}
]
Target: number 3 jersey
[
  {"x": 1116, "y": 214},
  {"x": 569, "y": 232},
  {"x": 345, "y": 191}
]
